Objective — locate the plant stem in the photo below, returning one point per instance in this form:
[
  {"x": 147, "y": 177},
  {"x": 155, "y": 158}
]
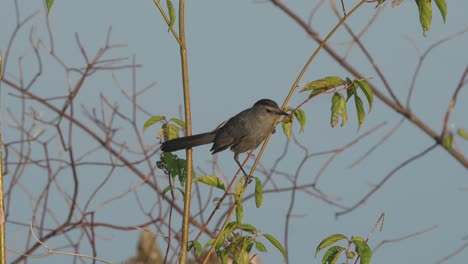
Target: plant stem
[
  {"x": 2, "y": 207},
  {"x": 188, "y": 123}
]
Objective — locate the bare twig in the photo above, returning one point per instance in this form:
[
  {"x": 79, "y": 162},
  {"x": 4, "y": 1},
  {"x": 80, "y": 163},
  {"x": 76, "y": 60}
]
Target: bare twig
[{"x": 385, "y": 179}]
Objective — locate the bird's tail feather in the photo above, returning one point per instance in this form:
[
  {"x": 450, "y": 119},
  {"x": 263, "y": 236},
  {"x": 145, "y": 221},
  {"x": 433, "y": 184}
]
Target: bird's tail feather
[{"x": 187, "y": 142}]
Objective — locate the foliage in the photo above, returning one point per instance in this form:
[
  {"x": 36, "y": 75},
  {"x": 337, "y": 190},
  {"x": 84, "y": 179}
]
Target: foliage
[{"x": 332, "y": 255}]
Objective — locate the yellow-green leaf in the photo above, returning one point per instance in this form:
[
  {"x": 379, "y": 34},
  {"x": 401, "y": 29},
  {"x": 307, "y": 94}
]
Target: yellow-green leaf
[
  {"x": 367, "y": 92},
  {"x": 325, "y": 83},
  {"x": 178, "y": 122},
  {"x": 338, "y": 109},
  {"x": 49, "y": 4},
  {"x": 361, "y": 114},
  {"x": 151, "y": 121},
  {"x": 172, "y": 131},
  {"x": 301, "y": 118},
  {"x": 165, "y": 190},
  {"x": 211, "y": 180},
  {"x": 276, "y": 243},
  {"x": 362, "y": 249},
  {"x": 258, "y": 192},
  {"x": 248, "y": 228},
  {"x": 351, "y": 88},
  {"x": 442, "y": 8},
  {"x": 239, "y": 185},
  {"x": 172, "y": 13},
  {"x": 239, "y": 209},
  {"x": 425, "y": 14},
  {"x": 379, "y": 2},
  {"x": 287, "y": 125},
  {"x": 448, "y": 139},
  {"x": 332, "y": 255},
  {"x": 317, "y": 92},
  {"x": 197, "y": 247},
  {"x": 462, "y": 133},
  {"x": 328, "y": 241},
  {"x": 260, "y": 247}
]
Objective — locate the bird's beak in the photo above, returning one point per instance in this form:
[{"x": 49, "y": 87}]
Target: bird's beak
[{"x": 281, "y": 112}]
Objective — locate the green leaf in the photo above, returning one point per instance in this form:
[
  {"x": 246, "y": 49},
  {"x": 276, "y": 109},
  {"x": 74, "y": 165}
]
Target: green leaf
[
  {"x": 172, "y": 131},
  {"x": 172, "y": 13},
  {"x": 362, "y": 249},
  {"x": 171, "y": 161},
  {"x": 166, "y": 190},
  {"x": 338, "y": 109},
  {"x": 328, "y": 241},
  {"x": 175, "y": 166},
  {"x": 351, "y": 88},
  {"x": 229, "y": 228},
  {"x": 332, "y": 255},
  {"x": 238, "y": 187},
  {"x": 178, "y": 122},
  {"x": 287, "y": 126},
  {"x": 241, "y": 257},
  {"x": 317, "y": 92},
  {"x": 324, "y": 84},
  {"x": 181, "y": 191},
  {"x": 212, "y": 181},
  {"x": 448, "y": 139},
  {"x": 344, "y": 112},
  {"x": 153, "y": 120},
  {"x": 258, "y": 192},
  {"x": 248, "y": 249},
  {"x": 361, "y": 114},
  {"x": 367, "y": 92},
  {"x": 239, "y": 209},
  {"x": 182, "y": 173},
  {"x": 301, "y": 118},
  {"x": 335, "y": 109},
  {"x": 379, "y": 2},
  {"x": 276, "y": 243},
  {"x": 260, "y": 247},
  {"x": 245, "y": 258},
  {"x": 248, "y": 228},
  {"x": 209, "y": 243},
  {"x": 224, "y": 257},
  {"x": 442, "y": 8},
  {"x": 49, "y": 4},
  {"x": 197, "y": 247},
  {"x": 425, "y": 14},
  {"x": 462, "y": 133}
]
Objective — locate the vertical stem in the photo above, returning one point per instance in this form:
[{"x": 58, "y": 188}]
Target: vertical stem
[
  {"x": 188, "y": 123},
  {"x": 2, "y": 207}
]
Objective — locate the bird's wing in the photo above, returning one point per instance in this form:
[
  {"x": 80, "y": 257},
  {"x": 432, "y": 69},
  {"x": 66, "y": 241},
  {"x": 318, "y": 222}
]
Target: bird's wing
[{"x": 230, "y": 132}]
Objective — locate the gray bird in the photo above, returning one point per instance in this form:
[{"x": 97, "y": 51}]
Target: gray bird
[{"x": 241, "y": 133}]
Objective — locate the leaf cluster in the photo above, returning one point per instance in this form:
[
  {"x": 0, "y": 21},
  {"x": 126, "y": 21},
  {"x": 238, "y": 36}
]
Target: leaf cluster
[
  {"x": 237, "y": 242},
  {"x": 425, "y": 11},
  {"x": 333, "y": 253},
  {"x": 169, "y": 129},
  {"x": 336, "y": 84}
]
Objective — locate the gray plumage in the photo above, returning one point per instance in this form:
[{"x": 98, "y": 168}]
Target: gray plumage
[{"x": 241, "y": 133}]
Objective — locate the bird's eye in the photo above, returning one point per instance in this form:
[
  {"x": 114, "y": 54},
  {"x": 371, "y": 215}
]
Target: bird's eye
[{"x": 268, "y": 111}]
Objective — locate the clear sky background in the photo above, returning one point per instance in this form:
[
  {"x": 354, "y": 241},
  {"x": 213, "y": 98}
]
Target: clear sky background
[{"x": 242, "y": 51}]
